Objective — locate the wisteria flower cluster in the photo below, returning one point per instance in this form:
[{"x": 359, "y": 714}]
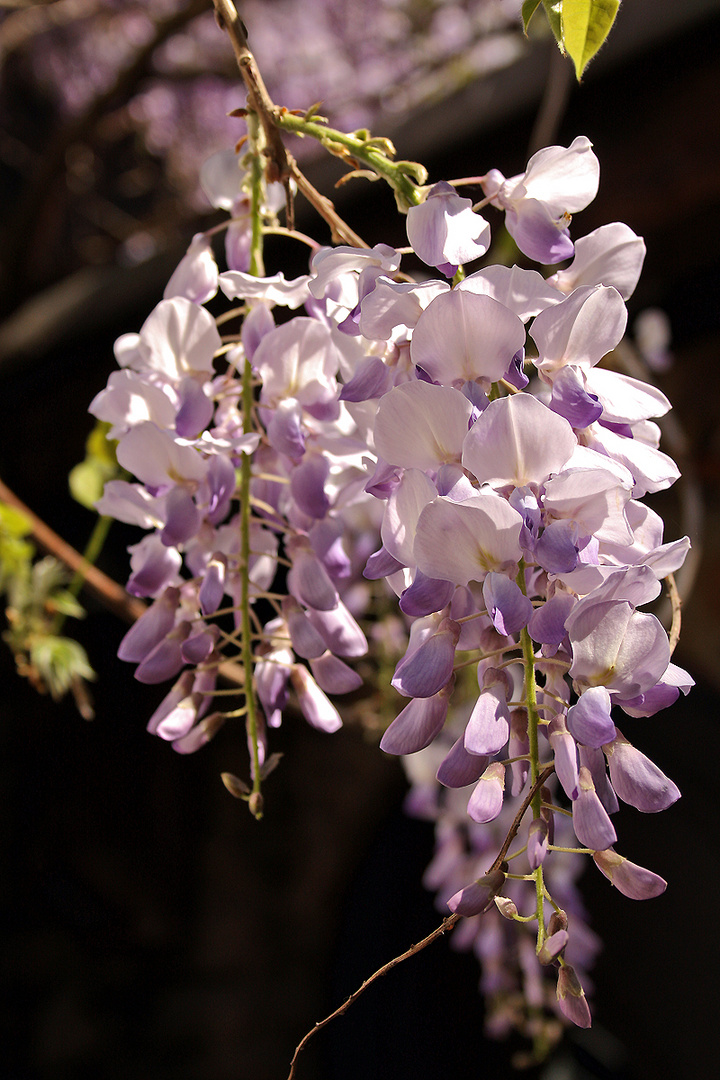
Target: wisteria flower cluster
[{"x": 468, "y": 419}]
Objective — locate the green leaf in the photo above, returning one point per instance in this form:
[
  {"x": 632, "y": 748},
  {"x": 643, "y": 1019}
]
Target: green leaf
[
  {"x": 554, "y": 11},
  {"x": 59, "y": 661},
  {"x": 528, "y": 10},
  {"x": 13, "y": 522},
  {"x": 88, "y": 478},
  {"x": 86, "y": 482},
  {"x": 585, "y": 26}
]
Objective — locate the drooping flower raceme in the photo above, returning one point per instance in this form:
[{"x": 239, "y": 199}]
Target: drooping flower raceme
[{"x": 470, "y": 444}]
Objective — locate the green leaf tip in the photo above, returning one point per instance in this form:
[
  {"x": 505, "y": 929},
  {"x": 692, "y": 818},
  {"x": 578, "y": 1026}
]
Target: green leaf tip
[{"x": 585, "y": 26}]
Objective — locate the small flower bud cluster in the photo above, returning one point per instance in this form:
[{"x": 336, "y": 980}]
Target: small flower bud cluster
[{"x": 519, "y": 987}]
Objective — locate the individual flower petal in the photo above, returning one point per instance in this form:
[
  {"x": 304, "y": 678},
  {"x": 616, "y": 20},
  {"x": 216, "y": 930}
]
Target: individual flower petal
[
  {"x": 636, "y": 779},
  {"x": 486, "y": 800},
  {"x": 589, "y": 721},
  {"x": 157, "y": 459},
  {"x": 308, "y": 580},
  {"x": 443, "y": 230},
  {"x": 421, "y": 426},
  {"x": 178, "y": 338},
  {"x": 517, "y": 440},
  {"x": 580, "y": 330},
  {"x": 629, "y": 878},
  {"x": 617, "y": 647},
  {"x": 306, "y": 641},
  {"x": 461, "y": 542},
  {"x": 372, "y": 379},
  {"x": 489, "y": 724},
  {"x": 404, "y": 506},
  {"x": 153, "y": 625},
  {"x": 425, "y": 595},
  {"x": 525, "y": 292},
  {"x": 506, "y": 605},
  {"x": 611, "y": 255},
  {"x": 417, "y": 725},
  {"x": 316, "y": 708},
  {"x": 340, "y": 631},
  {"x": 565, "y": 751},
  {"x": 275, "y": 289},
  {"x": 196, "y": 276},
  {"x": 200, "y": 735},
  {"x": 426, "y": 670},
  {"x": 459, "y": 768},
  {"x": 547, "y": 624},
  {"x": 334, "y": 676},
  {"x": 461, "y": 337},
  {"x": 591, "y": 823}
]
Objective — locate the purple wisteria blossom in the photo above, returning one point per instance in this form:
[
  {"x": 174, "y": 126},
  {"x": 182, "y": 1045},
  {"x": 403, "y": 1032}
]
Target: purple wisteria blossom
[{"x": 469, "y": 446}]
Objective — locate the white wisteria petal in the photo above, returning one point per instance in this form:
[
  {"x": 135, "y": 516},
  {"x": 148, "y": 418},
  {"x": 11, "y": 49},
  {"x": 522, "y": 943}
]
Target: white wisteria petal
[
  {"x": 196, "y": 276},
  {"x": 525, "y": 292},
  {"x": 327, "y": 264},
  {"x": 129, "y": 399},
  {"x": 651, "y": 469},
  {"x": 443, "y": 230},
  {"x": 290, "y": 294},
  {"x": 517, "y": 440},
  {"x": 617, "y": 647},
  {"x": 422, "y": 426},
  {"x": 132, "y": 504},
  {"x": 394, "y": 304},
  {"x": 157, "y": 459},
  {"x": 461, "y": 337},
  {"x": 611, "y": 255},
  {"x": 296, "y": 360},
  {"x": 579, "y": 330},
  {"x": 566, "y": 179},
  {"x": 402, "y": 511},
  {"x": 177, "y": 339},
  {"x": 594, "y": 500},
  {"x": 462, "y": 542},
  {"x": 222, "y": 178},
  {"x": 625, "y": 400}
]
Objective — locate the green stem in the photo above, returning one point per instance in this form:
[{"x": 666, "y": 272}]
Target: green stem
[
  {"x": 256, "y": 173},
  {"x": 90, "y": 556},
  {"x": 256, "y": 268},
  {"x": 534, "y": 753},
  {"x": 247, "y": 655},
  {"x": 402, "y": 176}
]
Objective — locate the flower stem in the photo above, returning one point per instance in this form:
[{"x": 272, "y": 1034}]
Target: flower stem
[{"x": 533, "y": 722}]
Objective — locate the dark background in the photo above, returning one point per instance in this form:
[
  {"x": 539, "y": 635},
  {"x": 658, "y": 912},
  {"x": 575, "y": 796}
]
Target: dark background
[{"x": 153, "y": 930}]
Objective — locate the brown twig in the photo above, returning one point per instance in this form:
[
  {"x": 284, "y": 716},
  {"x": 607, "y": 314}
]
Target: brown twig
[
  {"x": 676, "y": 604},
  {"x": 447, "y": 924},
  {"x": 341, "y": 231},
  {"x": 112, "y": 595},
  {"x": 281, "y": 165}
]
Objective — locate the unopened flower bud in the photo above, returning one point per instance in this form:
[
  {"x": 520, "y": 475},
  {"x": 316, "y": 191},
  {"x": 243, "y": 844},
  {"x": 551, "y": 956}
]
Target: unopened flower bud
[
  {"x": 479, "y": 895},
  {"x": 552, "y": 947},
  {"x": 237, "y": 787},
  {"x": 558, "y": 921},
  {"x": 506, "y": 907},
  {"x": 571, "y": 997}
]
